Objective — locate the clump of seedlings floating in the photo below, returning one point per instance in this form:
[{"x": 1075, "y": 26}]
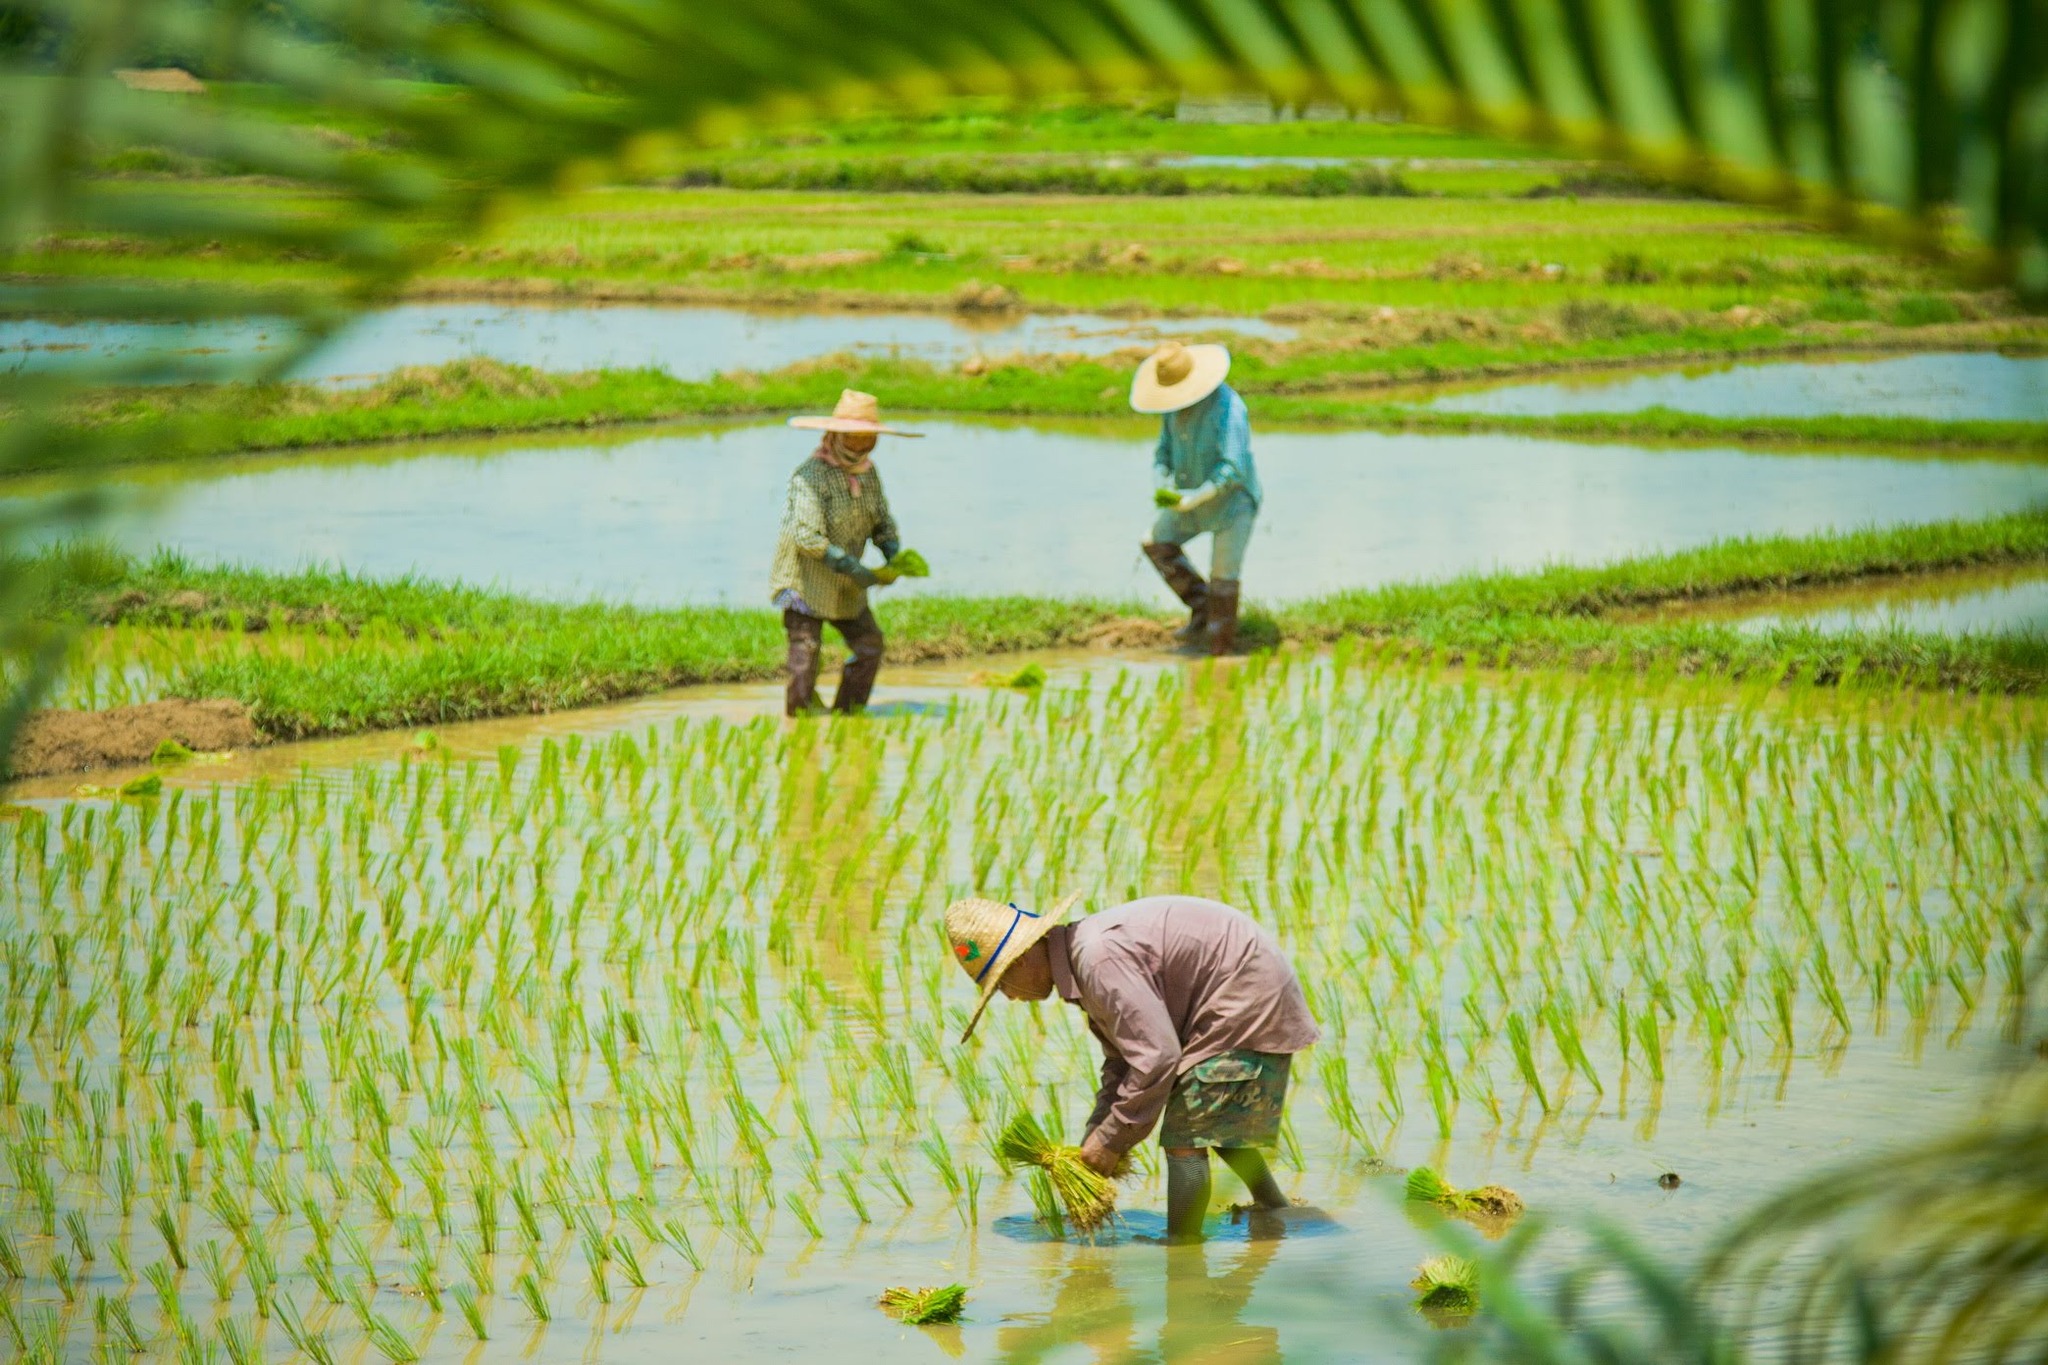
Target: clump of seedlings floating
[
  {"x": 1426, "y": 1186},
  {"x": 1447, "y": 1286},
  {"x": 943, "y": 1303}
]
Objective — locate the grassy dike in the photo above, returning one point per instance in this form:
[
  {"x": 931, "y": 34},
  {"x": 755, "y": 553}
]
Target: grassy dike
[
  {"x": 482, "y": 397},
  {"x": 402, "y": 652}
]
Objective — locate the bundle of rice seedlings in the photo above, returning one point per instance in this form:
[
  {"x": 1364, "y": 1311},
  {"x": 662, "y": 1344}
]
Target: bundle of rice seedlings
[
  {"x": 1447, "y": 1284},
  {"x": 1085, "y": 1199},
  {"x": 939, "y": 1303},
  {"x": 1426, "y": 1186},
  {"x": 911, "y": 564}
]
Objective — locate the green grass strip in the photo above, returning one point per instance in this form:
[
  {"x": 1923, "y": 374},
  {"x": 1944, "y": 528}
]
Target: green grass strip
[
  {"x": 485, "y": 397},
  {"x": 413, "y": 653}
]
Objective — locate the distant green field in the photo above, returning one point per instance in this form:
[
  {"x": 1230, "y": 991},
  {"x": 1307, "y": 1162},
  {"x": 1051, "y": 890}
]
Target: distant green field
[{"x": 1236, "y": 254}]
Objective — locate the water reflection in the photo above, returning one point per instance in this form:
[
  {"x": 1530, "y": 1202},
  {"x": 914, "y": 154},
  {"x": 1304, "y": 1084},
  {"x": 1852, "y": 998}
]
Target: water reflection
[{"x": 1208, "y": 1299}]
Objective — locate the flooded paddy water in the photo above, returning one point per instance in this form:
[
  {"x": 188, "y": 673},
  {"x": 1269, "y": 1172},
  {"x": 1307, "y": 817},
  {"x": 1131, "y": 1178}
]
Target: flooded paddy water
[
  {"x": 689, "y": 515},
  {"x": 688, "y": 342},
  {"x": 2005, "y": 601},
  {"x": 1949, "y": 387},
  {"x": 405, "y": 1046}
]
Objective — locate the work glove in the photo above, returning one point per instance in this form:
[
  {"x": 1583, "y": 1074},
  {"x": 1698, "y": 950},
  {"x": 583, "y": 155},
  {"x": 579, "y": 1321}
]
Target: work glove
[
  {"x": 1167, "y": 498},
  {"x": 839, "y": 561},
  {"x": 886, "y": 575}
]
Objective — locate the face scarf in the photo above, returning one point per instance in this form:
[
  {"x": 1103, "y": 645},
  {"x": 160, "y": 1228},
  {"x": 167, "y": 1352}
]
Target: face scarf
[{"x": 832, "y": 450}]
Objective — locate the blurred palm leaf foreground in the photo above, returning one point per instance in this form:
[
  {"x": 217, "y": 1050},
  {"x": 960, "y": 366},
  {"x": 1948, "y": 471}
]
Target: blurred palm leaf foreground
[{"x": 1922, "y": 123}]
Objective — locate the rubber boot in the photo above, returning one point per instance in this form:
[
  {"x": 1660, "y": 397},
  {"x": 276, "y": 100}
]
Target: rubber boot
[
  {"x": 1222, "y": 616},
  {"x": 1174, "y": 566},
  {"x": 1250, "y": 1165},
  {"x": 1187, "y": 1196}
]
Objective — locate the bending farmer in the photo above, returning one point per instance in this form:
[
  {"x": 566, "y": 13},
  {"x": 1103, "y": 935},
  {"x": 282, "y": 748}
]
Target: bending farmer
[
  {"x": 835, "y": 507},
  {"x": 1206, "y": 482},
  {"x": 1198, "y": 1013}
]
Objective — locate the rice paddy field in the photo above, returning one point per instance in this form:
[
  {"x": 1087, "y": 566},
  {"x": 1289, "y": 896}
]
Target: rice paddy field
[
  {"x": 623, "y": 1043},
  {"x": 1651, "y": 824}
]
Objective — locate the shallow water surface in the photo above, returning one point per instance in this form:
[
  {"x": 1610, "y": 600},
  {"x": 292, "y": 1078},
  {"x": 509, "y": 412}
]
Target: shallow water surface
[
  {"x": 2000, "y": 602},
  {"x": 1977, "y": 385},
  {"x": 688, "y": 342},
  {"x": 691, "y": 515}
]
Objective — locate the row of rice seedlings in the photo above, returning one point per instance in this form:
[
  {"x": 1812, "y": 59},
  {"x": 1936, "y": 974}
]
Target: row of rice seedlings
[{"x": 624, "y": 1009}]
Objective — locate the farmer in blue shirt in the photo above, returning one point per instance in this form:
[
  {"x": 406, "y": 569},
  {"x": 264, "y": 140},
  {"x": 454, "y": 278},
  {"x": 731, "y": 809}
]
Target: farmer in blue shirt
[{"x": 1206, "y": 482}]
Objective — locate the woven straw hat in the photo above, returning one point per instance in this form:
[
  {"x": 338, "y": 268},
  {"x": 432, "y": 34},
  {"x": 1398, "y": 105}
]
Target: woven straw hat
[
  {"x": 1176, "y": 376},
  {"x": 855, "y": 411},
  {"x": 988, "y": 937}
]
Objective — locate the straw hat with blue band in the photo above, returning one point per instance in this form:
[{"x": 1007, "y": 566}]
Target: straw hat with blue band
[{"x": 988, "y": 937}]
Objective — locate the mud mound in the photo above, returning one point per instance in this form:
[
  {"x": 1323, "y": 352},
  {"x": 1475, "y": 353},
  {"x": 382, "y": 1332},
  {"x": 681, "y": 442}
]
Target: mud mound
[
  {"x": 70, "y": 741},
  {"x": 1129, "y": 632}
]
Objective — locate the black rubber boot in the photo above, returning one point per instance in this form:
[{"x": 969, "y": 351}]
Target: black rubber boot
[
  {"x": 1179, "y": 573},
  {"x": 1187, "y": 1196},
  {"x": 1222, "y": 616},
  {"x": 1250, "y": 1165}
]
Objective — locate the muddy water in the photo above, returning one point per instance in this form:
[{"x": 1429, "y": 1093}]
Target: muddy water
[
  {"x": 690, "y": 343},
  {"x": 1981, "y": 386},
  {"x": 1998, "y": 602},
  {"x": 690, "y": 515}
]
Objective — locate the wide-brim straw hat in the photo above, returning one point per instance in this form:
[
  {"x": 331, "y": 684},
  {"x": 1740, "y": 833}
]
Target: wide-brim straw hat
[
  {"x": 855, "y": 411},
  {"x": 988, "y": 937},
  {"x": 1176, "y": 376}
]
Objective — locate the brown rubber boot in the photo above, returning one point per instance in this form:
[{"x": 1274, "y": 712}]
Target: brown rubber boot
[
  {"x": 1187, "y": 585},
  {"x": 1222, "y": 616}
]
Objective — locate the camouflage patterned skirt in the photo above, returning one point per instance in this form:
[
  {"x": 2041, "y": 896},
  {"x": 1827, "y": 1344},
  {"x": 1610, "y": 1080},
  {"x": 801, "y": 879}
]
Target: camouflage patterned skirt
[{"x": 1231, "y": 1100}]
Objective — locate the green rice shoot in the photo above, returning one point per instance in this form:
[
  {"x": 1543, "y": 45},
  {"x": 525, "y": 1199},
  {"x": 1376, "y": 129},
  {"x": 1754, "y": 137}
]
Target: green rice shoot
[
  {"x": 1447, "y": 1284},
  {"x": 934, "y": 1303}
]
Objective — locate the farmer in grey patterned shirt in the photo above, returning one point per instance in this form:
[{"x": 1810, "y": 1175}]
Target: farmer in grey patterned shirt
[{"x": 835, "y": 507}]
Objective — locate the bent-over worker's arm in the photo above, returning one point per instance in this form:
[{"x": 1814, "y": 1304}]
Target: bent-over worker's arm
[
  {"x": 1114, "y": 1069},
  {"x": 1231, "y": 460},
  {"x": 1134, "y": 1022}
]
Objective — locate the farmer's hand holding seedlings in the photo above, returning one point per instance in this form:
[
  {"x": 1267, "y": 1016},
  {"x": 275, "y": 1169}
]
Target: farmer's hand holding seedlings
[{"x": 1217, "y": 1082}]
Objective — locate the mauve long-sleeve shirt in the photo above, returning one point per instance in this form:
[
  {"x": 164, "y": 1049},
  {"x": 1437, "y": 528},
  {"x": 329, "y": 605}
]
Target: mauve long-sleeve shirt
[{"x": 1169, "y": 982}]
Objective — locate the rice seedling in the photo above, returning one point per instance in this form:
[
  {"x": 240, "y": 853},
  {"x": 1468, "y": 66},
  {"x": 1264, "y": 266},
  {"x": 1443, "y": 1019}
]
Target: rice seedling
[
  {"x": 112, "y": 1317},
  {"x": 942, "y": 1303},
  {"x": 1086, "y": 1198},
  {"x": 310, "y": 1342},
  {"x": 527, "y": 1286},
  {"x": 1447, "y": 1284},
  {"x": 240, "y": 1340},
  {"x": 471, "y": 1307}
]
